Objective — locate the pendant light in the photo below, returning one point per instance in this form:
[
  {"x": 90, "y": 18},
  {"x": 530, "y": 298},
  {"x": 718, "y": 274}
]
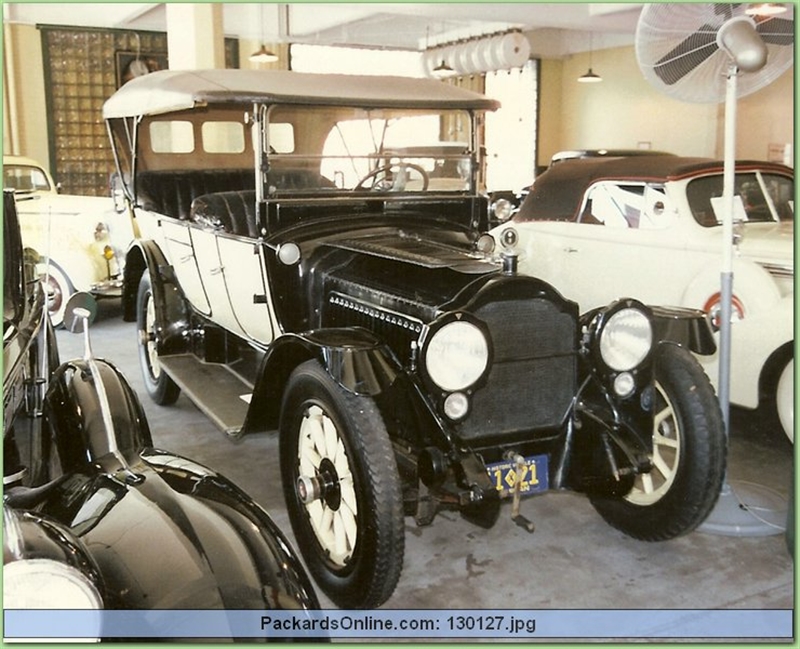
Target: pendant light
[
  {"x": 263, "y": 55},
  {"x": 443, "y": 69},
  {"x": 590, "y": 76}
]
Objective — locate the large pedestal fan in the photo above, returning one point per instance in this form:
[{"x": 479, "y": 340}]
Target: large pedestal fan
[{"x": 708, "y": 53}]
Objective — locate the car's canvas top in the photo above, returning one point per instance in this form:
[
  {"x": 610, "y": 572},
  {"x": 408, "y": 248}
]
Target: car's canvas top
[
  {"x": 557, "y": 193},
  {"x": 172, "y": 90}
]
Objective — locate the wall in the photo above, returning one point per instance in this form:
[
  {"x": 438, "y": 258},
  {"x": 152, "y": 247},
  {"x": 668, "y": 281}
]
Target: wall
[
  {"x": 624, "y": 110},
  {"x": 23, "y": 52}
]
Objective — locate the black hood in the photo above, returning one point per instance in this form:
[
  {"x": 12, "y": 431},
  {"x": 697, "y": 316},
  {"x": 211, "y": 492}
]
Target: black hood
[{"x": 404, "y": 270}]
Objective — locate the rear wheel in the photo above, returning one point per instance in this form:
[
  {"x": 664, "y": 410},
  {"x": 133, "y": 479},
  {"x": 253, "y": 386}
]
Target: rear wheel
[
  {"x": 342, "y": 489},
  {"x": 161, "y": 388},
  {"x": 689, "y": 451}
]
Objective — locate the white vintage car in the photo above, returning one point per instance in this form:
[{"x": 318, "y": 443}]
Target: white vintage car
[
  {"x": 649, "y": 227},
  {"x": 82, "y": 236}
]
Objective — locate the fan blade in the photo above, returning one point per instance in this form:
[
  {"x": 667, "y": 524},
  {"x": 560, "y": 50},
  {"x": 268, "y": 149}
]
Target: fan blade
[
  {"x": 686, "y": 56},
  {"x": 776, "y": 31}
]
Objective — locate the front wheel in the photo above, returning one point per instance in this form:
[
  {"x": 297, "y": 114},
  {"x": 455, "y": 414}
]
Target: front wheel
[
  {"x": 689, "y": 453},
  {"x": 342, "y": 489},
  {"x": 161, "y": 388}
]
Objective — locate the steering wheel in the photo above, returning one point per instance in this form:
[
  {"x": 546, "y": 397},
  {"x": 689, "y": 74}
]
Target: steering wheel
[{"x": 383, "y": 180}]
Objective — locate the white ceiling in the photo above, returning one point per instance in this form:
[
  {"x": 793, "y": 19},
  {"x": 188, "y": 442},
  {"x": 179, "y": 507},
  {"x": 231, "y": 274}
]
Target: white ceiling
[{"x": 556, "y": 29}]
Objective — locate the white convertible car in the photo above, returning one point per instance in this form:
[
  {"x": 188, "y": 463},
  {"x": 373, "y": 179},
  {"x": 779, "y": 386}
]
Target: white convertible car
[
  {"x": 649, "y": 227},
  {"x": 82, "y": 236}
]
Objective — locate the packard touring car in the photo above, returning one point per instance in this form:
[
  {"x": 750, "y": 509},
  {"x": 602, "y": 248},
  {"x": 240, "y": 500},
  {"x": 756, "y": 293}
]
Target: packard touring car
[
  {"x": 94, "y": 516},
  {"x": 307, "y": 264}
]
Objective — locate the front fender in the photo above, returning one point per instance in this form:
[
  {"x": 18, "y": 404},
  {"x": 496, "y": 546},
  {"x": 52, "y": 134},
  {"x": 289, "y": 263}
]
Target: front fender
[
  {"x": 92, "y": 410},
  {"x": 686, "y": 327},
  {"x": 181, "y": 537},
  {"x": 355, "y": 358}
]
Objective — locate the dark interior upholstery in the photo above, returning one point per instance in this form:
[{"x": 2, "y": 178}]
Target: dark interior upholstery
[
  {"x": 232, "y": 212},
  {"x": 171, "y": 192}
]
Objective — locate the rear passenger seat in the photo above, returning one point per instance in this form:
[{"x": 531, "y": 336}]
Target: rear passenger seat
[
  {"x": 219, "y": 198},
  {"x": 171, "y": 192},
  {"x": 232, "y": 212}
]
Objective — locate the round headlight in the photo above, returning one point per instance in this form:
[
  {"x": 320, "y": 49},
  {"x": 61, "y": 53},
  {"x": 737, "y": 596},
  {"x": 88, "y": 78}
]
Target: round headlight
[
  {"x": 456, "y": 355},
  {"x": 626, "y": 339},
  {"x": 43, "y": 584},
  {"x": 502, "y": 209}
]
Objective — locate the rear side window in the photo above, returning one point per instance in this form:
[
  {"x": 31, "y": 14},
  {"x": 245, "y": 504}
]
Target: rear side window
[
  {"x": 223, "y": 137},
  {"x": 171, "y": 137},
  {"x": 633, "y": 205}
]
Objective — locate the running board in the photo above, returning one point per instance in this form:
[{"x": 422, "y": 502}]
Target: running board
[{"x": 217, "y": 392}]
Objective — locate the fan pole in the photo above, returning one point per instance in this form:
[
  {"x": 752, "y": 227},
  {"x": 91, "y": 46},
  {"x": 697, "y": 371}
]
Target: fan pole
[
  {"x": 726, "y": 275},
  {"x": 740, "y": 513}
]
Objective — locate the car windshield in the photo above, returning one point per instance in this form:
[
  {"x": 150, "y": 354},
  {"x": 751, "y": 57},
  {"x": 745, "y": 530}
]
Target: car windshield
[
  {"x": 24, "y": 178},
  {"x": 313, "y": 148},
  {"x": 765, "y": 198}
]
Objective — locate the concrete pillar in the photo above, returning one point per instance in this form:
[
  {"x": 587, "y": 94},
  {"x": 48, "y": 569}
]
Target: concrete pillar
[{"x": 195, "y": 38}]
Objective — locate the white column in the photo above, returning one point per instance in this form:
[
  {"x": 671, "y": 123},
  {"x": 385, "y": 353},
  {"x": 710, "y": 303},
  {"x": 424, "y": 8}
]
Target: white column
[{"x": 195, "y": 40}]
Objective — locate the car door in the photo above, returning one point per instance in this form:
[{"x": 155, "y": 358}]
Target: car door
[
  {"x": 232, "y": 272},
  {"x": 178, "y": 240}
]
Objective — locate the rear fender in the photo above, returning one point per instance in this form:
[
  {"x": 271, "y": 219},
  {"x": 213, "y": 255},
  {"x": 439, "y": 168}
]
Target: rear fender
[
  {"x": 353, "y": 357},
  {"x": 95, "y": 416}
]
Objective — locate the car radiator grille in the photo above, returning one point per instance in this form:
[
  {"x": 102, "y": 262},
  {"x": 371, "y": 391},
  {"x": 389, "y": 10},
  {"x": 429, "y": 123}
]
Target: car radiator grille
[{"x": 533, "y": 374}]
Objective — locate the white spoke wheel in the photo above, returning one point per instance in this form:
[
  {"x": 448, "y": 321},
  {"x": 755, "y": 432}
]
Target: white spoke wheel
[
  {"x": 161, "y": 388},
  {"x": 57, "y": 290},
  {"x": 342, "y": 489},
  {"x": 688, "y": 459}
]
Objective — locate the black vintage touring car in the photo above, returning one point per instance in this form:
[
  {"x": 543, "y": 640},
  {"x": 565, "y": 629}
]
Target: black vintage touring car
[{"x": 312, "y": 258}]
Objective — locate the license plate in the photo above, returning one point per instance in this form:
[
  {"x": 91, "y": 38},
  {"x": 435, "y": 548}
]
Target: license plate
[{"x": 533, "y": 476}]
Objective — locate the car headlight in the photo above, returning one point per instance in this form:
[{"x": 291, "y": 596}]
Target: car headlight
[
  {"x": 456, "y": 355},
  {"x": 626, "y": 339},
  {"x": 47, "y": 584},
  {"x": 100, "y": 232}
]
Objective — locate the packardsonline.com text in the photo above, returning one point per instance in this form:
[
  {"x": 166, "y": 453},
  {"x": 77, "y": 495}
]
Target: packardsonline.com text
[{"x": 397, "y": 624}]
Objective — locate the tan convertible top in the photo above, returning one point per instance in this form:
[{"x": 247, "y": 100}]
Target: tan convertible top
[{"x": 173, "y": 90}]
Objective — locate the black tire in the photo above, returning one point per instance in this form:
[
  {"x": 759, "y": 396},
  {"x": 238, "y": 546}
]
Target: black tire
[
  {"x": 352, "y": 537},
  {"x": 689, "y": 455},
  {"x": 161, "y": 388}
]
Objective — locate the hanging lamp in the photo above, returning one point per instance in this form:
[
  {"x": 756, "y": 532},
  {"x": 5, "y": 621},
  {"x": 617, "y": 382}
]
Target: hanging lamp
[
  {"x": 263, "y": 55},
  {"x": 590, "y": 76}
]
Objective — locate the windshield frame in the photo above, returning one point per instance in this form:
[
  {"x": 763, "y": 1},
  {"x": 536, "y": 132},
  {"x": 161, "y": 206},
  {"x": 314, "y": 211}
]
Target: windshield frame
[{"x": 317, "y": 127}]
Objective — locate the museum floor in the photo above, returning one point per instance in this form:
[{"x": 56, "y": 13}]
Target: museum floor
[{"x": 574, "y": 560}]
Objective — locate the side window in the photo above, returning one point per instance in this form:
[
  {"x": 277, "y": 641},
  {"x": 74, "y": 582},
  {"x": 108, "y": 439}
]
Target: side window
[
  {"x": 281, "y": 137},
  {"x": 223, "y": 137},
  {"x": 613, "y": 205},
  {"x": 171, "y": 137}
]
